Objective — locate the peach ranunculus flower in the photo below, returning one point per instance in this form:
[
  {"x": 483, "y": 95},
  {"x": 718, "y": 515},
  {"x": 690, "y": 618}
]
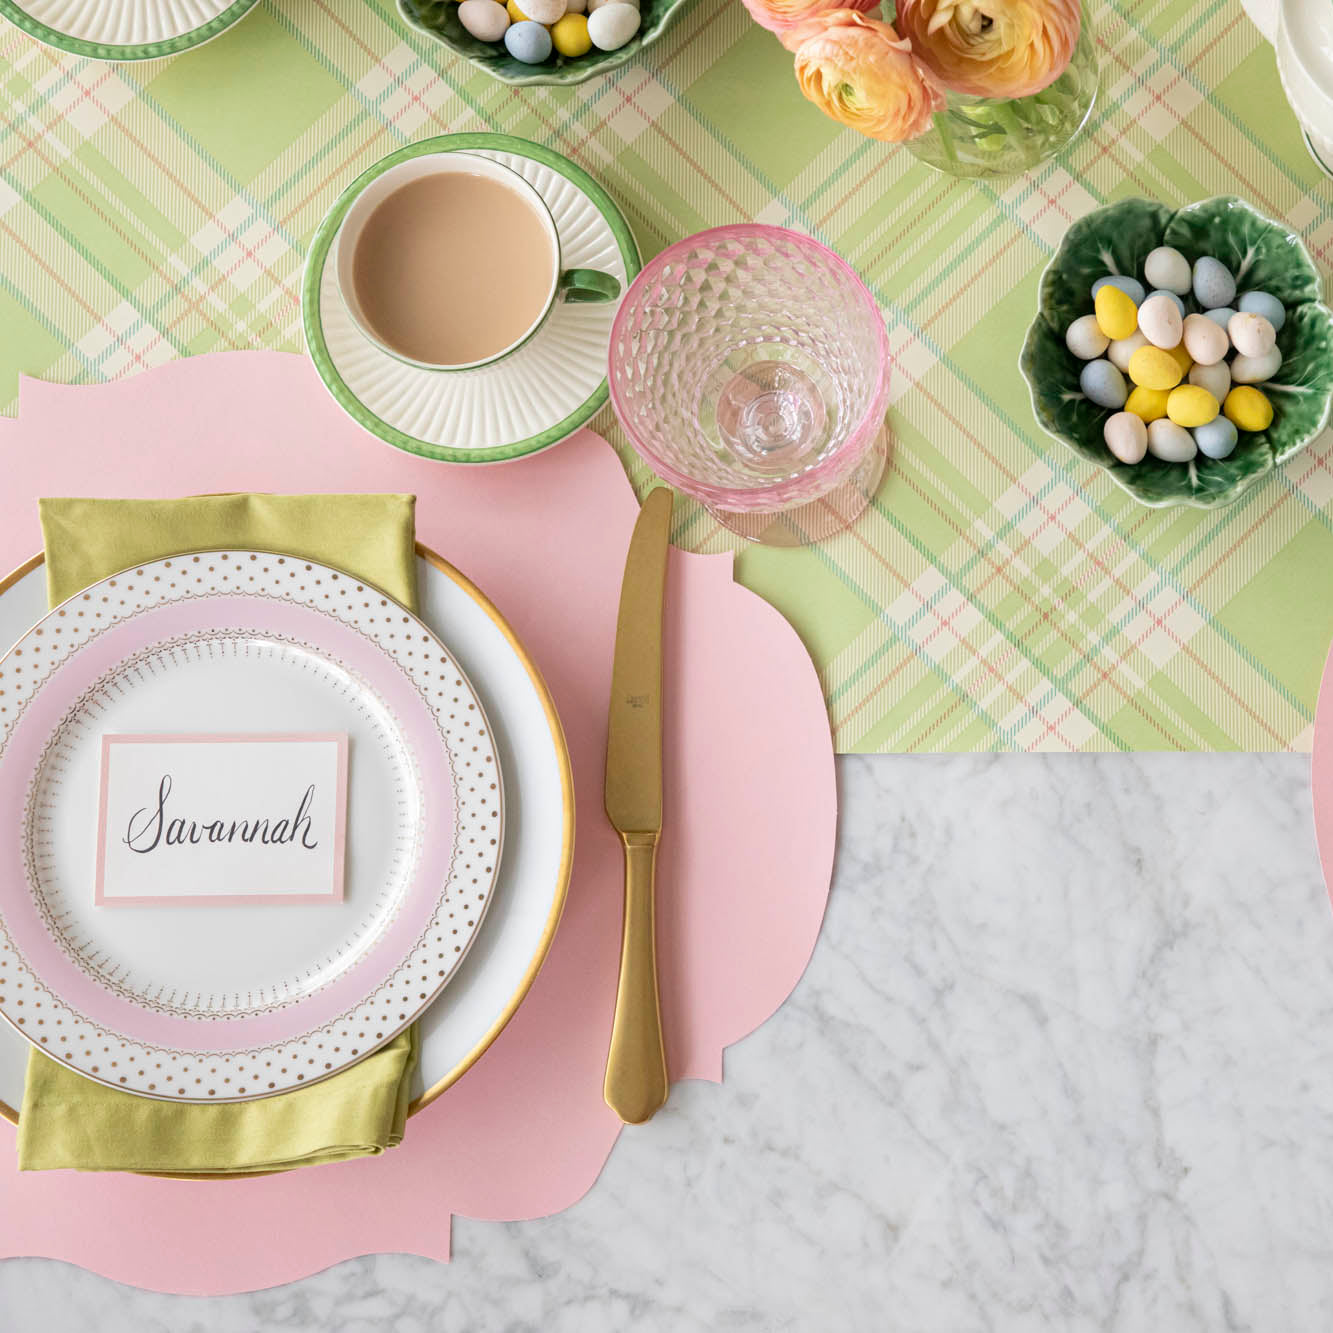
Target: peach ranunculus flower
[
  {"x": 780, "y": 15},
  {"x": 860, "y": 72},
  {"x": 993, "y": 48}
]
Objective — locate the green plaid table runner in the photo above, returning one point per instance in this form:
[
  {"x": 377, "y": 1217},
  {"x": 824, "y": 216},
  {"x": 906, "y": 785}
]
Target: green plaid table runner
[{"x": 1002, "y": 595}]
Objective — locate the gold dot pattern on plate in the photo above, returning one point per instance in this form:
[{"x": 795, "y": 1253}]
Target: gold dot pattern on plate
[{"x": 238, "y": 1073}]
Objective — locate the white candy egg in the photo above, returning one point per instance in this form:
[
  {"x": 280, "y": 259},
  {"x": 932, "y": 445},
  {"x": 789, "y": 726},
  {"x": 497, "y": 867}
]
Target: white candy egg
[
  {"x": 1122, "y": 349},
  {"x": 1126, "y": 437},
  {"x": 544, "y": 12},
  {"x": 577, "y": 7},
  {"x": 1169, "y": 442},
  {"x": 484, "y": 19},
  {"x": 1215, "y": 378},
  {"x": 1085, "y": 338},
  {"x": 595, "y": 5},
  {"x": 1251, "y": 334},
  {"x": 1168, "y": 269},
  {"x": 1256, "y": 369},
  {"x": 611, "y": 26},
  {"x": 1160, "y": 321},
  {"x": 1205, "y": 340}
]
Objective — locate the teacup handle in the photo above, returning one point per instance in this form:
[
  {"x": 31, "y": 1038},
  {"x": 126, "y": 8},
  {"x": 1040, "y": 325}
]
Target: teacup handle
[{"x": 583, "y": 285}]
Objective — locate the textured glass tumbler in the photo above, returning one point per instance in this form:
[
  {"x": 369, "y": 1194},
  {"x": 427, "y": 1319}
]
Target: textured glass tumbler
[{"x": 749, "y": 367}]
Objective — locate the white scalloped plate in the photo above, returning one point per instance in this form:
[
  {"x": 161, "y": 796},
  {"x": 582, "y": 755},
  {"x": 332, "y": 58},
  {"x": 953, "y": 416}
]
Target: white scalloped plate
[
  {"x": 125, "y": 29},
  {"x": 533, "y": 398}
]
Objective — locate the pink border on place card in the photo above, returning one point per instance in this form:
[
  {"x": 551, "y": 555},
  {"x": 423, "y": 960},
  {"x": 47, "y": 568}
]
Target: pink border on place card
[{"x": 335, "y": 893}]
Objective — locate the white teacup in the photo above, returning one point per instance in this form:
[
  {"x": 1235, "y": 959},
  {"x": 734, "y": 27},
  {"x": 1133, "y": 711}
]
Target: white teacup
[{"x": 563, "y": 285}]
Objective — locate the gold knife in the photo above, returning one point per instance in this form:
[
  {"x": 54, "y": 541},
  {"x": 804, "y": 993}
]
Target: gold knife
[{"x": 636, "y": 1073}]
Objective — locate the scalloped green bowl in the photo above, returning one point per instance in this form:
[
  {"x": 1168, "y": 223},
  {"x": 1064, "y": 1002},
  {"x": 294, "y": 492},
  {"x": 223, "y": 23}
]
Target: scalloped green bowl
[
  {"x": 1264, "y": 256},
  {"x": 439, "y": 19}
]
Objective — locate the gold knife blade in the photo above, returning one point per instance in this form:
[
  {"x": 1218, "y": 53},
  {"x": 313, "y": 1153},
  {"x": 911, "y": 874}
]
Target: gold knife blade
[{"x": 636, "y": 1073}]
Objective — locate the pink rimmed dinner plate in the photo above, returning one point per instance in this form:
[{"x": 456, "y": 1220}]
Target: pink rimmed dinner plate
[{"x": 234, "y": 1001}]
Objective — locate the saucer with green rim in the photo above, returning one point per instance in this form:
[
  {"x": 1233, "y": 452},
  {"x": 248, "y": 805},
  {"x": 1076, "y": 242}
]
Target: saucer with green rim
[
  {"x": 532, "y": 398},
  {"x": 122, "y": 29}
]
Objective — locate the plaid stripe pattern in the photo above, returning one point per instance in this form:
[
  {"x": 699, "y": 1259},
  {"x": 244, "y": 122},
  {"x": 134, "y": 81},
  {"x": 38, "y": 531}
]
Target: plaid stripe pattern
[{"x": 1001, "y": 595}]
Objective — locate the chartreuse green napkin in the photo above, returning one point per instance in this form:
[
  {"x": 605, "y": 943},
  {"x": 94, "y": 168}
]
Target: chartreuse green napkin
[{"x": 70, "y": 1121}]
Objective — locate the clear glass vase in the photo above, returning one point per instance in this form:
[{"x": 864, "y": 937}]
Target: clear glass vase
[{"x": 998, "y": 136}]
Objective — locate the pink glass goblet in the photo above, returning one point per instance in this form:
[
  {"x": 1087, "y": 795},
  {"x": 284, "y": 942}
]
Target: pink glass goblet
[{"x": 749, "y": 366}]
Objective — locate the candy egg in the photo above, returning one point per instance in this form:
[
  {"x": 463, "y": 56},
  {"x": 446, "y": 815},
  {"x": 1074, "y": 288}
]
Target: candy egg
[
  {"x": 1256, "y": 369},
  {"x": 1205, "y": 340},
  {"x": 1215, "y": 378},
  {"x": 570, "y": 36},
  {"x": 1182, "y": 358},
  {"x": 484, "y": 19},
  {"x": 594, "y": 5},
  {"x": 1251, "y": 334},
  {"x": 1222, "y": 315},
  {"x": 1153, "y": 368},
  {"x": 544, "y": 11},
  {"x": 1117, "y": 315},
  {"x": 1213, "y": 283},
  {"x": 1247, "y": 408},
  {"x": 1103, "y": 384},
  {"x": 1147, "y": 404},
  {"x": 1131, "y": 287},
  {"x": 1170, "y": 296},
  {"x": 1122, "y": 349},
  {"x": 1216, "y": 439},
  {"x": 1170, "y": 443},
  {"x": 1189, "y": 405},
  {"x": 577, "y": 7},
  {"x": 1260, "y": 303},
  {"x": 1083, "y": 337},
  {"x": 611, "y": 26},
  {"x": 528, "y": 41},
  {"x": 1126, "y": 437},
  {"x": 1168, "y": 269},
  {"x": 516, "y": 15},
  {"x": 1159, "y": 320}
]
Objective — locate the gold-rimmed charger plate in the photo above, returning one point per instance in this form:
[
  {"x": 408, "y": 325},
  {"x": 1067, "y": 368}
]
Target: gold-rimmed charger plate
[{"x": 535, "y": 877}]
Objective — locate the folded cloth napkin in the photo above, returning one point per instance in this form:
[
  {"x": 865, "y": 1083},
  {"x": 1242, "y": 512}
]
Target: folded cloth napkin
[{"x": 69, "y": 1121}]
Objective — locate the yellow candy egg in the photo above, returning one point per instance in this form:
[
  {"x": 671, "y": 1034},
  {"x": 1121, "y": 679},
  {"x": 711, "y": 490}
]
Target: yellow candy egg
[
  {"x": 516, "y": 15},
  {"x": 1153, "y": 368},
  {"x": 1247, "y": 409},
  {"x": 570, "y": 35},
  {"x": 1147, "y": 404},
  {"x": 1117, "y": 315},
  {"x": 1183, "y": 359},
  {"x": 1189, "y": 405}
]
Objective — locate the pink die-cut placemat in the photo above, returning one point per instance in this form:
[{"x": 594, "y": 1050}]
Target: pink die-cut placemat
[
  {"x": 744, "y": 866},
  {"x": 1321, "y": 773}
]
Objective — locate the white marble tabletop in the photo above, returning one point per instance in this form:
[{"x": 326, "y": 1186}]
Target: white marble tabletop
[{"x": 1063, "y": 1059}]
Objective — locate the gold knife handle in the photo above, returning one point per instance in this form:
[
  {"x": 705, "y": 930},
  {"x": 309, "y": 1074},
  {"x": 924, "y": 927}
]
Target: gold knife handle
[{"x": 636, "y": 1072}]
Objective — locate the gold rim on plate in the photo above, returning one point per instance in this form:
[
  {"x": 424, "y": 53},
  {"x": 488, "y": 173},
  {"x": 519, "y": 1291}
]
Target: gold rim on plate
[{"x": 566, "y": 853}]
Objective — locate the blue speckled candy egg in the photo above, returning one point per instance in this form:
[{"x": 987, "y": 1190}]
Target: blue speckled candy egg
[
  {"x": 1213, "y": 283},
  {"x": 1222, "y": 315},
  {"x": 1260, "y": 303},
  {"x": 1217, "y": 439},
  {"x": 1131, "y": 287},
  {"x": 528, "y": 42},
  {"x": 1103, "y": 384}
]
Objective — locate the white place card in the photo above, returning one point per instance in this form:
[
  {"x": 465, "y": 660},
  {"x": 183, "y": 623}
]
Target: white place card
[{"x": 216, "y": 819}]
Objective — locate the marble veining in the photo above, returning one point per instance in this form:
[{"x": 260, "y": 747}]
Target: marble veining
[{"x": 1063, "y": 1059}]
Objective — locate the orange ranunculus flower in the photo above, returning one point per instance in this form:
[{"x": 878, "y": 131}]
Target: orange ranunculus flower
[
  {"x": 860, "y": 72},
  {"x": 780, "y": 15},
  {"x": 992, "y": 48}
]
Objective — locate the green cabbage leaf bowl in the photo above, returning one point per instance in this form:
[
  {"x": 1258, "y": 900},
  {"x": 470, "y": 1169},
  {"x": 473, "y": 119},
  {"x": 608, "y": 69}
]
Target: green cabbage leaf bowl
[
  {"x": 1264, "y": 256},
  {"x": 439, "y": 19}
]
